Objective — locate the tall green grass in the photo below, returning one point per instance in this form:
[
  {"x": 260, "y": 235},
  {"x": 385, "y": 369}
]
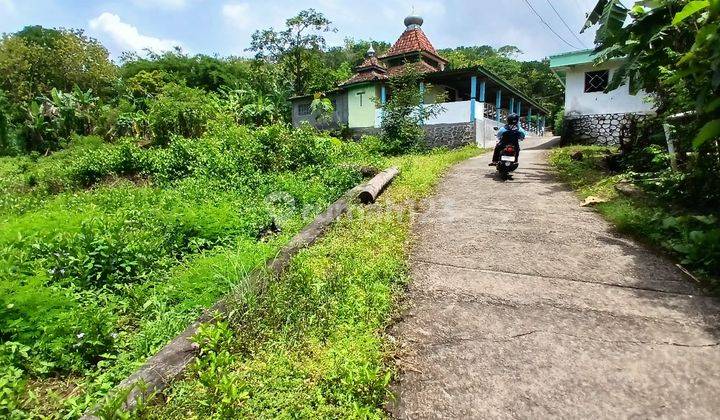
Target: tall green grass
[
  {"x": 313, "y": 344},
  {"x": 107, "y": 251}
]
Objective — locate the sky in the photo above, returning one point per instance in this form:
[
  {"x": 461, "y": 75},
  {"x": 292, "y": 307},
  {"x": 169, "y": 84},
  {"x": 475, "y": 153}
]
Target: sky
[{"x": 224, "y": 27}]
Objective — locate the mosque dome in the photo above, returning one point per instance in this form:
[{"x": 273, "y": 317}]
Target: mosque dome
[{"x": 413, "y": 21}]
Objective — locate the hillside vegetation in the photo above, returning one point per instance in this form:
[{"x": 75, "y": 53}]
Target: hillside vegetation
[{"x": 108, "y": 251}]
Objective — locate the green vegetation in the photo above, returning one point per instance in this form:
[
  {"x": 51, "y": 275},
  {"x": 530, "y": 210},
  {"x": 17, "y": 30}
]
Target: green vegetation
[
  {"x": 57, "y": 83},
  {"x": 134, "y": 194},
  {"x": 312, "y": 345},
  {"x": 686, "y": 232},
  {"x": 109, "y": 250},
  {"x": 404, "y": 114},
  {"x": 672, "y": 51}
]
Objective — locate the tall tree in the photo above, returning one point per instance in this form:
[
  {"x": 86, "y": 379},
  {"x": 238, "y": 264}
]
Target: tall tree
[
  {"x": 36, "y": 60},
  {"x": 295, "y": 47}
]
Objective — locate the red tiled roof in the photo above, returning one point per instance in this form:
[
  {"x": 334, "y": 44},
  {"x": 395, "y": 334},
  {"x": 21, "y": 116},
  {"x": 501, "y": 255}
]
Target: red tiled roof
[
  {"x": 412, "y": 40},
  {"x": 420, "y": 66},
  {"x": 370, "y": 69},
  {"x": 366, "y": 76},
  {"x": 370, "y": 62}
]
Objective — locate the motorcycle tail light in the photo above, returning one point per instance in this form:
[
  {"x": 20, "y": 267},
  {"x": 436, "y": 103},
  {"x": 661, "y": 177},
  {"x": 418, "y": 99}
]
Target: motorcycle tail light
[{"x": 510, "y": 149}]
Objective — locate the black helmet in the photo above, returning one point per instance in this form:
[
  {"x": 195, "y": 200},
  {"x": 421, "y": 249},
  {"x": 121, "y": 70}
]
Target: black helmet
[{"x": 513, "y": 119}]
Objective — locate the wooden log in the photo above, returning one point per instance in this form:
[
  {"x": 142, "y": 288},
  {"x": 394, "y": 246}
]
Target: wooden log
[
  {"x": 170, "y": 362},
  {"x": 375, "y": 186}
]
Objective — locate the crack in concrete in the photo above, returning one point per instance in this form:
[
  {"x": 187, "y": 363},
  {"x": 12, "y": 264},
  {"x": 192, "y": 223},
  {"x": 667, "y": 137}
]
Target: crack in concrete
[
  {"x": 487, "y": 299},
  {"x": 577, "y": 337},
  {"x": 570, "y": 279}
]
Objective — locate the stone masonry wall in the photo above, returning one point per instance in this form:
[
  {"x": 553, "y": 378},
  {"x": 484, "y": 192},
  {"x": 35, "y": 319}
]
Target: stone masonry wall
[
  {"x": 450, "y": 135},
  {"x": 600, "y": 129},
  {"x": 436, "y": 135}
]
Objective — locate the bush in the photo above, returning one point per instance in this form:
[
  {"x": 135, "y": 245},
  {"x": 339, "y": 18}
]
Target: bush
[
  {"x": 182, "y": 111},
  {"x": 121, "y": 159},
  {"x": 404, "y": 113}
]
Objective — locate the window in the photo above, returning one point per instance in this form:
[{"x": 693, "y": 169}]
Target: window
[
  {"x": 596, "y": 81},
  {"x": 304, "y": 109}
]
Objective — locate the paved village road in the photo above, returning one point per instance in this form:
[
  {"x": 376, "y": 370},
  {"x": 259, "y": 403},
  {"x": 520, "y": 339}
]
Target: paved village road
[{"x": 525, "y": 305}]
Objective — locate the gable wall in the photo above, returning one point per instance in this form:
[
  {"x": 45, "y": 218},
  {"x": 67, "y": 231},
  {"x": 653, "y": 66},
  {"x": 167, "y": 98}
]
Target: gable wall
[
  {"x": 361, "y": 111},
  {"x": 619, "y": 101}
]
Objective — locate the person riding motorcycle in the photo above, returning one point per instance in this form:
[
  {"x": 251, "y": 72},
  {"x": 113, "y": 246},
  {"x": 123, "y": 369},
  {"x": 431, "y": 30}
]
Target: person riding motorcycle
[{"x": 511, "y": 134}]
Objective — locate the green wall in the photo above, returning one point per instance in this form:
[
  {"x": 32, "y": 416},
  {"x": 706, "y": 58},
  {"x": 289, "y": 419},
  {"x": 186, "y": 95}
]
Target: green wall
[{"x": 361, "y": 105}]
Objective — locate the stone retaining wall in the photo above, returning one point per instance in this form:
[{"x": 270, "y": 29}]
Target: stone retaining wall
[
  {"x": 450, "y": 135},
  {"x": 600, "y": 129},
  {"x": 436, "y": 135}
]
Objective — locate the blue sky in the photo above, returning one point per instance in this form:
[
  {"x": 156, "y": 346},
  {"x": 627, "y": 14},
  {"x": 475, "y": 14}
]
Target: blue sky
[{"x": 224, "y": 26}]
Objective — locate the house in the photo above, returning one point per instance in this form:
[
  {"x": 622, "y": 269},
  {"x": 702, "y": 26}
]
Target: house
[
  {"x": 473, "y": 99},
  {"x": 591, "y": 114}
]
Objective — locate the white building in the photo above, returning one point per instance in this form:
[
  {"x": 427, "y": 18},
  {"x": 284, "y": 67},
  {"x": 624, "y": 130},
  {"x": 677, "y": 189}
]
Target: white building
[{"x": 591, "y": 114}]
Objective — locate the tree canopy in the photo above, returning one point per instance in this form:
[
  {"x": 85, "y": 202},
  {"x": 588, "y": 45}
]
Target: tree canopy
[
  {"x": 35, "y": 60},
  {"x": 296, "y": 46}
]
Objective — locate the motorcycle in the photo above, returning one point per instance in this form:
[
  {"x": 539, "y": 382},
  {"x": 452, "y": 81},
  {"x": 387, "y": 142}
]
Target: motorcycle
[{"x": 507, "y": 163}]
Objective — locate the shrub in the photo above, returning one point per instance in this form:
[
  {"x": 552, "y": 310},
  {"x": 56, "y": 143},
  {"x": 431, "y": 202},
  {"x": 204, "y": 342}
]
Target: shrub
[
  {"x": 182, "y": 111},
  {"x": 404, "y": 113},
  {"x": 124, "y": 158}
]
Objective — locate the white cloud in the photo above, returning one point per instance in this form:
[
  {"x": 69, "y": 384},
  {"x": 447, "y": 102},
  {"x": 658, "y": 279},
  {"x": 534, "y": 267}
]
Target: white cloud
[
  {"x": 127, "y": 37},
  {"x": 238, "y": 14},
  {"x": 163, "y": 4}
]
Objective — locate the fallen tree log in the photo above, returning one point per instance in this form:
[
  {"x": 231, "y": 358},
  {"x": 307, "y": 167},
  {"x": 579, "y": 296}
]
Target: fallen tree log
[
  {"x": 158, "y": 372},
  {"x": 376, "y": 185}
]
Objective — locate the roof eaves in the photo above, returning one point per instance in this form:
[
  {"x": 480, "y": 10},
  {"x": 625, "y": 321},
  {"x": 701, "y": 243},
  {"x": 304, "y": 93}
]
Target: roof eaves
[
  {"x": 569, "y": 53},
  {"x": 310, "y": 95},
  {"x": 497, "y": 80}
]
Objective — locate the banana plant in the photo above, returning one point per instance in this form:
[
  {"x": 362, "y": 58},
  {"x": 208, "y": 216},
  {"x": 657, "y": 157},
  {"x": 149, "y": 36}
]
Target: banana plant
[{"x": 40, "y": 131}]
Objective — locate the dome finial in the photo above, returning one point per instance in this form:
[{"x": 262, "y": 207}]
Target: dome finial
[
  {"x": 371, "y": 51},
  {"x": 414, "y": 21}
]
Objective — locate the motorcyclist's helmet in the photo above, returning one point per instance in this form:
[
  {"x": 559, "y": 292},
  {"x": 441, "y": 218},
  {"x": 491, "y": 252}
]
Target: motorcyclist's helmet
[{"x": 513, "y": 119}]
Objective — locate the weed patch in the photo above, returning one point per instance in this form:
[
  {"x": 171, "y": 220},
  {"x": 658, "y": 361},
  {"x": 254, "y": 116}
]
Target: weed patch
[
  {"x": 313, "y": 344},
  {"x": 96, "y": 277}
]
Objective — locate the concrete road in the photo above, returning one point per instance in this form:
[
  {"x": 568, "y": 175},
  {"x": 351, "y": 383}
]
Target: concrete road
[{"x": 525, "y": 305}]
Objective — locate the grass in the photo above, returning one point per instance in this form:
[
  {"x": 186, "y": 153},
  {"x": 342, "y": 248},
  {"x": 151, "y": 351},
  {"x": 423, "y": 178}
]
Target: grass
[
  {"x": 313, "y": 344},
  {"x": 97, "y": 276},
  {"x": 691, "y": 239}
]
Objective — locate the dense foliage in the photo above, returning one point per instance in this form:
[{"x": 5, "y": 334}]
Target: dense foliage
[
  {"x": 672, "y": 51},
  {"x": 404, "y": 113},
  {"x": 55, "y": 83}
]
